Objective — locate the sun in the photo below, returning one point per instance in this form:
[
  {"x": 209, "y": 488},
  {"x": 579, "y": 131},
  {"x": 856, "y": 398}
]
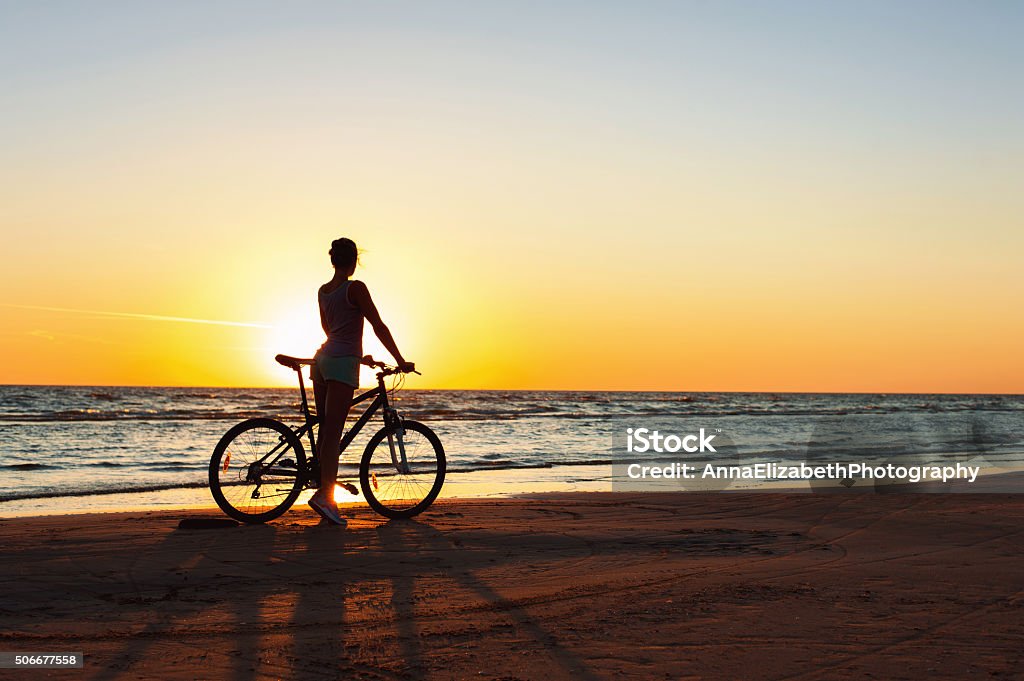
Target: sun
[{"x": 296, "y": 333}]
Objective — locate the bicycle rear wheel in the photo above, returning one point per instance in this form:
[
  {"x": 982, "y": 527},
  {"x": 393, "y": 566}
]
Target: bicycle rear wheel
[
  {"x": 256, "y": 471},
  {"x": 396, "y": 489}
]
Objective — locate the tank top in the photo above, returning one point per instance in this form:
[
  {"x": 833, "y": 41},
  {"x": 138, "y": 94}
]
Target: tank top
[{"x": 342, "y": 322}]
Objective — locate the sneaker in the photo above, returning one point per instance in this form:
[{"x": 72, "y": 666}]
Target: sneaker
[
  {"x": 349, "y": 487},
  {"x": 328, "y": 512}
]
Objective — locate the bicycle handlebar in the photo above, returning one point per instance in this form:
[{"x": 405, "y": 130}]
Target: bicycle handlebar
[{"x": 386, "y": 369}]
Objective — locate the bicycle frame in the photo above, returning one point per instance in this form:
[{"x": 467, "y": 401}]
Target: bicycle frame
[{"x": 380, "y": 401}]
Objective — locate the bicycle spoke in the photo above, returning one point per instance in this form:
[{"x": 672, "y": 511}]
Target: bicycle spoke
[
  {"x": 400, "y": 490},
  {"x": 239, "y": 472}
]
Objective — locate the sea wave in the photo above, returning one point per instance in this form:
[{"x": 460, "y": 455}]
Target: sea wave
[
  {"x": 101, "y": 491},
  {"x": 880, "y": 453}
]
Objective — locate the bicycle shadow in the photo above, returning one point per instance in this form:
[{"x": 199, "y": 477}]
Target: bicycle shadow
[{"x": 413, "y": 538}]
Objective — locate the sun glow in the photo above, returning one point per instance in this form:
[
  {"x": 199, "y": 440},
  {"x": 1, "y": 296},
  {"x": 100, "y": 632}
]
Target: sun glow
[{"x": 296, "y": 331}]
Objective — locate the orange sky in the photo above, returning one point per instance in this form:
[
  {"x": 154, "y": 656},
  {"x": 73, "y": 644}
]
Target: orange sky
[{"x": 535, "y": 211}]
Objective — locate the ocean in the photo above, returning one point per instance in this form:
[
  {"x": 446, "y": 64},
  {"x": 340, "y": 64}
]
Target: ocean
[{"x": 93, "y": 441}]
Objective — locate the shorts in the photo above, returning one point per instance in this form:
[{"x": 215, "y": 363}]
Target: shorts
[{"x": 342, "y": 369}]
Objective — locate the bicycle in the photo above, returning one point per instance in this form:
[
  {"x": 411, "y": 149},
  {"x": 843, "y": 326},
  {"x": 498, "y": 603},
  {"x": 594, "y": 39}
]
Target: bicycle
[{"x": 259, "y": 467}]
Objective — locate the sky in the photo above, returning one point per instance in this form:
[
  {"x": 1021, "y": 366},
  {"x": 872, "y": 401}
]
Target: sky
[{"x": 785, "y": 196}]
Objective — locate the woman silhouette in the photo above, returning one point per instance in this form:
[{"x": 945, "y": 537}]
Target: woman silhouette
[{"x": 344, "y": 304}]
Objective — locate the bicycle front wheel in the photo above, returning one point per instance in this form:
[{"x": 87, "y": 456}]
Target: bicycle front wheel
[
  {"x": 256, "y": 471},
  {"x": 402, "y": 470}
]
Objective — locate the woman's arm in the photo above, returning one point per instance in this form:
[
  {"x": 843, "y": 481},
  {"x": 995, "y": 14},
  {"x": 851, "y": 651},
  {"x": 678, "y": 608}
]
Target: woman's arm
[
  {"x": 323, "y": 319},
  {"x": 360, "y": 296}
]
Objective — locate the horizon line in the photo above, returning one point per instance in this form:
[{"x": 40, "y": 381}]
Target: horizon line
[{"x": 567, "y": 390}]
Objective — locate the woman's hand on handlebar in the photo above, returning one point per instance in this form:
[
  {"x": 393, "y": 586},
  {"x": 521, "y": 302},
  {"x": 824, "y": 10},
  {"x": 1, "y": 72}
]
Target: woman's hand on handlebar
[{"x": 407, "y": 367}]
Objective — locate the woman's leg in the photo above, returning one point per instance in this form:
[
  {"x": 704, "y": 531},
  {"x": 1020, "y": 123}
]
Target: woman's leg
[
  {"x": 332, "y": 423},
  {"x": 319, "y": 393}
]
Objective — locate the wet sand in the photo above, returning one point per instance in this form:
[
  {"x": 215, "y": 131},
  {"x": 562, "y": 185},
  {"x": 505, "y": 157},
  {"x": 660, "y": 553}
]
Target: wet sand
[{"x": 580, "y": 586}]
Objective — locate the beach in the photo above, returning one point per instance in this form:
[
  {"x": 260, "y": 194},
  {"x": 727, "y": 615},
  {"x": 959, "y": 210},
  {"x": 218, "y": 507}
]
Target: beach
[{"x": 575, "y": 586}]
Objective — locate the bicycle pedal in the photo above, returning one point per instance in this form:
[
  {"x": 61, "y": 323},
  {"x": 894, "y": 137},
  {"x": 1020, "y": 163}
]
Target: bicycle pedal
[{"x": 349, "y": 487}]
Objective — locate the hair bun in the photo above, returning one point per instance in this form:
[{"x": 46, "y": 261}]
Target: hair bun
[{"x": 344, "y": 253}]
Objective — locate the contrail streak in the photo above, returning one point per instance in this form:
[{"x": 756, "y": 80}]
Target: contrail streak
[{"x": 145, "y": 317}]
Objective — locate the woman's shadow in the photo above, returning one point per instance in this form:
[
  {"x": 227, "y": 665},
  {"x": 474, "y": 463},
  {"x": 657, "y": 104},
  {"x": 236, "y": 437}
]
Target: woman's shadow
[
  {"x": 172, "y": 603},
  {"x": 251, "y": 587}
]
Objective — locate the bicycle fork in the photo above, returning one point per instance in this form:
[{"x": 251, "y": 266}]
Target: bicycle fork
[{"x": 398, "y": 458}]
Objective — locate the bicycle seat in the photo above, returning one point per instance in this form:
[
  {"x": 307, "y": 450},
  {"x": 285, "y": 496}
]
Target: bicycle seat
[{"x": 295, "y": 363}]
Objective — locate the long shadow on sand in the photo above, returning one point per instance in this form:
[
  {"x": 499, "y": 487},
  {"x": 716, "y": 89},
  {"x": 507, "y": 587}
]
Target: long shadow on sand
[
  {"x": 154, "y": 598},
  {"x": 314, "y": 568},
  {"x": 310, "y": 601}
]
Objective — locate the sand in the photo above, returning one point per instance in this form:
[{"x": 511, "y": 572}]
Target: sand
[{"x": 584, "y": 586}]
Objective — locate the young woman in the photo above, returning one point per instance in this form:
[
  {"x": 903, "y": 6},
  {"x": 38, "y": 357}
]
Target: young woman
[{"x": 344, "y": 304}]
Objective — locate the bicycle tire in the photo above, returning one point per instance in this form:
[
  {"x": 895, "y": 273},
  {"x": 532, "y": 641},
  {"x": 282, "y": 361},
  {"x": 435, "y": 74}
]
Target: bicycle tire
[
  {"x": 370, "y": 485},
  {"x": 217, "y": 467}
]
